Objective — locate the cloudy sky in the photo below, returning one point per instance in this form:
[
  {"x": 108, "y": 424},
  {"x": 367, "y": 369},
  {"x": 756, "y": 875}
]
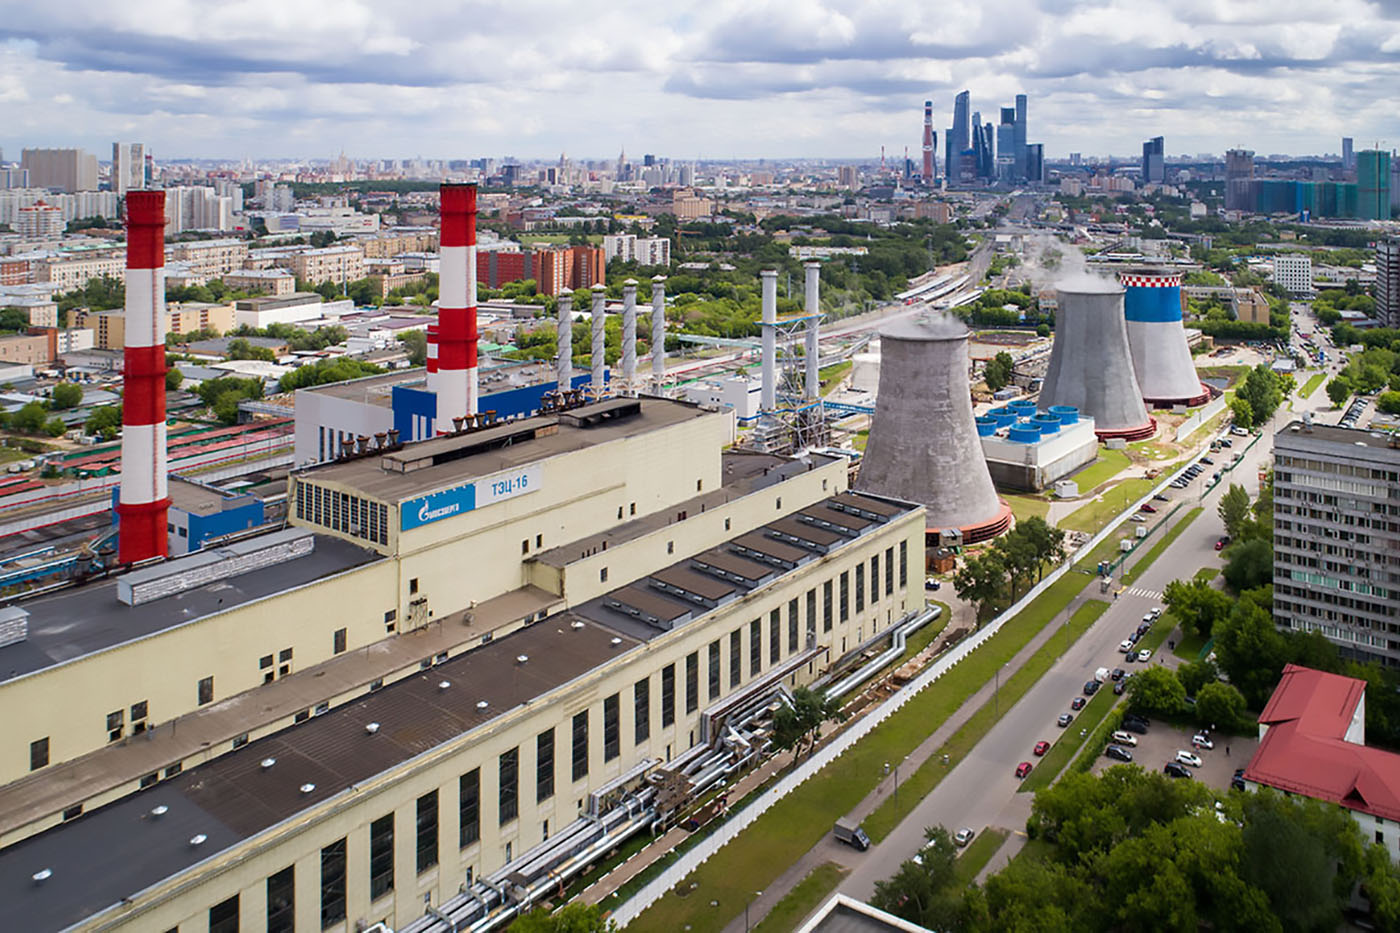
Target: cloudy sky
[{"x": 690, "y": 78}]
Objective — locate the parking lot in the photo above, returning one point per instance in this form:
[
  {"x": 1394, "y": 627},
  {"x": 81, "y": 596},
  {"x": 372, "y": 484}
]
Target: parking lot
[{"x": 1163, "y": 741}]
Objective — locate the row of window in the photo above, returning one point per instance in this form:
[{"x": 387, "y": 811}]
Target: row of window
[
  {"x": 340, "y": 511},
  {"x": 281, "y": 891}
]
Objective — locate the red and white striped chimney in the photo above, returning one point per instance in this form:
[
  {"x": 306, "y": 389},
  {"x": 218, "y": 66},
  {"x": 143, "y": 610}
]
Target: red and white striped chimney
[
  {"x": 142, "y": 502},
  {"x": 431, "y": 363},
  {"x": 456, "y": 381}
]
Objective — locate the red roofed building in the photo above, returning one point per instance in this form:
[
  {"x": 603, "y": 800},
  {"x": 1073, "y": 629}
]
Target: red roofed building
[{"x": 1312, "y": 742}]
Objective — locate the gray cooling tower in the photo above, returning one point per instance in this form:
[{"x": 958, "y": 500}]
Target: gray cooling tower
[
  {"x": 923, "y": 443},
  {"x": 1091, "y": 367}
]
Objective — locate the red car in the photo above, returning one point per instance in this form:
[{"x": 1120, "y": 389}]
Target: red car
[
  {"x": 1148, "y": 508},
  {"x": 1041, "y": 748},
  {"x": 1220, "y": 544},
  {"x": 1023, "y": 769}
]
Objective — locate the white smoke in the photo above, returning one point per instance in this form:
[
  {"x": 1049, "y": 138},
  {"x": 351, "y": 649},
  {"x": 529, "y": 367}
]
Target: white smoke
[{"x": 1050, "y": 262}]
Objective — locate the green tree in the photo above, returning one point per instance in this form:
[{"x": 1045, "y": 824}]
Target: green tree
[
  {"x": 1197, "y": 605},
  {"x": 1042, "y": 330},
  {"x": 55, "y": 427},
  {"x": 1196, "y": 674},
  {"x": 324, "y": 372},
  {"x": 1250, "y": 649},
  {"x": 925, "y": 892},
  {"x": 1389, "y": 402},
  {"x": 997, "y": 372},
  {"x": 1338, "y": 390},
  {"x": 1018, "y": 556},
  {"x": 1249, "y": 564},
  {"x": 1261, "y": 389},
  {"x": 30, "y": 418},
  {"x": 174, "y": 378},
  {"x": 1241, "y": 411},
  {"x": 1156, "y": 690},
  {"x": 1383, "y": 887},
  {"x": 104, "y": 422},
  {"x": 241, "y": 349},
  {"x": 67, "y": 395},
  {"x": 1220, "y": 704},
  {"x": 415, "y": 343},
  {"x": 801, "y": 723},
  {"x": 981, "y": 580},
  {"x": 1291, "y": 862},
  {"x": 1233, "y": 509},
  {"x": 226, "y": 406},
  {"x": 575, "y": 917}
]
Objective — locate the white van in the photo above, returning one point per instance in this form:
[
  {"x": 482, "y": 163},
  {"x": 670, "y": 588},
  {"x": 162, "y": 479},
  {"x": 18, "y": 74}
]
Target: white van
[{"x": 1101, "y": 674}]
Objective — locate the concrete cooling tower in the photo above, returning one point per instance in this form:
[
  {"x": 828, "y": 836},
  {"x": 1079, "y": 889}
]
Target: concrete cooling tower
[
  {"x": 1165, "y": 372},
  {"x": 923, "y": 442},
  {"x": 1091, "y": 367}
]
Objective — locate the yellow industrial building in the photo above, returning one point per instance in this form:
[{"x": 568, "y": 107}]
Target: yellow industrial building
[{"x": 461, "y": 664}]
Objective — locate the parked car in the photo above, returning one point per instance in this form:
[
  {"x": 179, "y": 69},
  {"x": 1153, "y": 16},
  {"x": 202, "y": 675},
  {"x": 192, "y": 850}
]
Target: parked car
[
  {"x": 1156, "y": 613},
  {"x": 1041, "y": 748},
  {"x": 1126, "y": 646},
  {"x": 1065, "y": 719},
  {"x": 1173, "y": 769},
  {"x": 1201, "y": 740},
  {"x": 1221, "y": 542},
  {"x": 1091, "y": 687},
  {"x": 1137, "y": 517},
  {"x": 1118, "y": 752},
  {"x": 1077, "y": 703},
  {"x": 1160, "y": 497},
  {"x": 1124, "y": 738},
  {"x": 963, "y": 836},
  {"x": 1239, "y": 432},
  {"x": 1143, "y": 628},
  {"x": 1117, "y": 674},
  {"x": 1148, "y": 508},
  {"x": 1134, "y": 717},
  {"x": 1207, "y": 461},
  {"x": 1226, "y": 442},
  {"x": 1144, "y": 655},
  {"x": 1119, "y": 687},
  {"x": 1237, "y": 783},
  {"x": 932, "y": 584},
  {"x": 1135, "y": 726},
  {"x": 1023, "y": 769},
  {"x": 1187, "y": 758}
]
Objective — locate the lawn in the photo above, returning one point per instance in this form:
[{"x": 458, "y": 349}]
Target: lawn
[
  {"x": 803, "y": 898},
  {"x": 1315, "y": 380},
  {"x": 1109, "y": 464},
  {"x": 1163, "y": 540},
  {"x": 1024, "y": 507},
  {"x": 1012, "y": 688},
  {"x": 1207, "y": 573},
  {"x": 978, "y": 853},
  {"x": 794, "y": 824},
  {"x": 1091, "y": 518},
  {"x": 831, "y": 376},
  {"x": 1190, "y": 646}
]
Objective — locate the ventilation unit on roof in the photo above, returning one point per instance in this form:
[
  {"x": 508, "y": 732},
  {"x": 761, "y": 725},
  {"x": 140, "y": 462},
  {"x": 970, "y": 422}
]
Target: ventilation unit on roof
[
  {"x": 267, "y": 763},
  {"x": 42, "y": 875},
  {"x": 372, "y": 728},
  {"x": 521, "y": 658},
  {"x": 444, "y": 684},
  {"x": 482, "y": 704},
  {"x": 198, "y": 840},
  {"x": 159, "y": 810},
  {"x": 576, "y": 625},
  {"x": 307, "y": 787},
  {"x": 616, "y": 642}
]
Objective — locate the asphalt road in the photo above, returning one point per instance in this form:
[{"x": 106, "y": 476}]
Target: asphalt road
[{"x": 981, "y": 790}]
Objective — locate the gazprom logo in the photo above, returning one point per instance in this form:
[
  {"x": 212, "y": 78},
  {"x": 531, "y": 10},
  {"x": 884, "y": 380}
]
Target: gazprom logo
[
  {"x": 426, "y": 514},
  {"x": 425, "y": 510}
]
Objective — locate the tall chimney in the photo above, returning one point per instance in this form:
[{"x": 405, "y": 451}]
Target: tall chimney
[
  {"x": 564, "y": 355},
  {"x": 658, "y": 332},
  {"x": 598, "y": 353},
  {"x": 629, "y": 338},
  {"x": 143, "y": 500},
  {"x": 769, "y": 397},
  {"x": 814, "y": 313},
  {"x": 457, "y": 386},
  {"x": 431, "y": 363}
]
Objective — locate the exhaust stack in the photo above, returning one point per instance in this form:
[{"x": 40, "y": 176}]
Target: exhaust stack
[
  {"x": 629, "y": 338},
  {"x": 658, "y": 333},
  {"x": 564, "y": 353},
  {"x": 768, "y": 398},
  {"x": 143, "y": 500},
  {"x": 811, "y": 351},
  {"x": 597, "y": 353},
  {"x": 457, "y": 337}
]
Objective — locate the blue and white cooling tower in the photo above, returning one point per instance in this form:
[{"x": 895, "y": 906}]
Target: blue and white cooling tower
[{"x": 1157, "y": 339}]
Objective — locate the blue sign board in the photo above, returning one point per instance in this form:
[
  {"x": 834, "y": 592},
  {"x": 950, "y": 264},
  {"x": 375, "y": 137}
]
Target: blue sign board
[{"x": 436, "y": 506}]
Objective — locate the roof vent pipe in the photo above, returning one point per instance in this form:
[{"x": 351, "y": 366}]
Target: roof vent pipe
[
  {"x": 658, "y": 333},
  {"x": 597, "y": 354},
  {"x": 629, "y": 338}
]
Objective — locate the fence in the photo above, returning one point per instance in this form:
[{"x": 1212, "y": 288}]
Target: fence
[{"x": 1192, "y": 424}]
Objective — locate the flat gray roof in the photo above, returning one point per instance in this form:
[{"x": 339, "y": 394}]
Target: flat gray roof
[
  {"x": 81, "y": 620},
  {"x": 1336, "y": 435}
]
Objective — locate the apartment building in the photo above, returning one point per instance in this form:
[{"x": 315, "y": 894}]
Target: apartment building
[
  {"x": 329, "y": 264},
  {"x": 209, "y": 258}
]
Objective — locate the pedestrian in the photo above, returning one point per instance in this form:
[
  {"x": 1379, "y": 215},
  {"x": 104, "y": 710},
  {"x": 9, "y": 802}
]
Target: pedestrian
[{"x": 1227, "y": 751}]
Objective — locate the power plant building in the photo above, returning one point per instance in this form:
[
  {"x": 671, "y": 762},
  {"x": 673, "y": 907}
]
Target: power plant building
[
  {"x": 464, "y": 666},
  {"x": 1030, "y": 450},
  {"x": 923, "y": 443},
  {"x": 1166, "y": 374}
]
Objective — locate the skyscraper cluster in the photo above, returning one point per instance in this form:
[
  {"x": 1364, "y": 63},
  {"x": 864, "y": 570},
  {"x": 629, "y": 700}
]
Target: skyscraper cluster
[{"x": 975, "y": 151}]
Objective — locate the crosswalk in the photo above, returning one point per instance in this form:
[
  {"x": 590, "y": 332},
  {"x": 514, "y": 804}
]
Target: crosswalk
[{"x": 1144, "y": 593}]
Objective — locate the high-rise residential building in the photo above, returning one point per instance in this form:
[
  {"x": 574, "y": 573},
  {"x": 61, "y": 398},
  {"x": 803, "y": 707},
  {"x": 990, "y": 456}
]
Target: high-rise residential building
[
  {"x": 1334, "y": 537},
  {"x": 1239, "y": 171},
  {"x": 960, "y": 134},
  {"x": 1348, "y": 155},
  {"x": 1373, "y": 184},
  {"x": 1294, "y": 272},
  {"x": 66, "y": 170},
  {"x": 1388, "y": 281},
  {"x": 1154, "y": 166},
  {"x": 39, "y": 220},
  {"x": 128, "y": 167},
  {"x": 1035, "y": 162},
  {"x": 1019, "y": 151}
]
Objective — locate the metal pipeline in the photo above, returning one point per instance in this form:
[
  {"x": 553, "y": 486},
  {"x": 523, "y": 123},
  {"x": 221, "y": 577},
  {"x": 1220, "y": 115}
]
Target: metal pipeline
[{"x": 875, "y": 665}]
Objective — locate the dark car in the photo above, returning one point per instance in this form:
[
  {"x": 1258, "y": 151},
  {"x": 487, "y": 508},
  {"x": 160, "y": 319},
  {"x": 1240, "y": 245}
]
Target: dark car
[
  {"x": 1237, "y": 783},
  {"x": 1117, "y": 673},
  {"x": 1076, "y": 703},
  {"x": 1118, "y": 752},
  {"x": 1161, "y": 498},
  {"x": 1091, "y": 687},
  {"x": 1176, "y": 769},
  {"x": 1119, "y": 687},
  {"x": 1207, "y": 461},
  {"x": 1143, "y": 628}
]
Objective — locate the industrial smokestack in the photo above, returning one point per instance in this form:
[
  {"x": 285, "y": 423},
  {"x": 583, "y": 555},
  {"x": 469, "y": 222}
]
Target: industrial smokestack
[
  {"x": 769, "y": 397},
  {"x": 597, "y": 353},
  {"x": 143, "y": 499},
  {"x": 923, "y": 443},
  {"x": 629, "y": 338},
  {"x": 564, "y": 355},
  {"x": 431, "y": 363},
  {"x": 1091, "y": 367},
  {"x": 928, "y": 142},
  {"x": 812, "y": 350},
  {"x": 1157, "y": 339},
  {"x": 457, "y": 385},
  {"x": 658, "y": 333}
]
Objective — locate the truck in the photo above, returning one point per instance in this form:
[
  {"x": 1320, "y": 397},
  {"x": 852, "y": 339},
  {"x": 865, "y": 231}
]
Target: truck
[{"x": 849, "y": 832}]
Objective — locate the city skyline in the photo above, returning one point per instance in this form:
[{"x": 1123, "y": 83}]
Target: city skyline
[{"x": 825, "y": 80}]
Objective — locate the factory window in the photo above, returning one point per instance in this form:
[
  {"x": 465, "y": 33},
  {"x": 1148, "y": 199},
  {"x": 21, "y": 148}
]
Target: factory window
[
  {"x": 240, "y": 740},
  {"x": 845, "y": 595},
  {"x": 603, "y": 575},
  {"x": 38, "y": 753},
  {"x": 692, "y": 682},
  {"x": 284, "y": 655},
  {"x": 138, "y": 712},
  {"x": 148, "y": 780},
  {"x": 641, "y": 710},
  {"x": 264, "y": 662},
  {"x": 670, "y": 547},
  {"x": 223, "y": 917},
  {"x": 281, "y": 901},
  {"x": 780, "y": 503},
  {"x": 412, "y": 586},
  {"x": 333, "y": 883},
  {"x": 875, "y": 579},
  {"x": 469, "y": 808},
  {"x": 73, "y": 812},
  {"x": 544, "y": 765},
  {"x": 525, "y": 546},
  {"x": 775, "y": 636},
  {"x": 116, "y": 721},
  {"x": 381, "y": 856},
  {"x": 427, "y": 852},
  {"x": 668, "y": 695},
  {"x": 903, "y": 563},
  {"x": 508, "y": 800},
  {"x": 792, "y": 626},
  {"x": 580, "y": 753},
  {"x": 860, "y": 587},
  {"x": 889, "y": 570},
  {"x": 755, "y": 647},
  {"x": 713, "y": 665},
  {"x": 826, "y": 606},
  {"x": 726, "y": 524},
  {"x": 735, "y": 673},
  {"x": 811, "y": 610},
  {"x": 174, "y": 769},
  {"x": 612, "y": 746},
  {"x": 338, "y": 641},
  {"x": 699, "y": 485}
]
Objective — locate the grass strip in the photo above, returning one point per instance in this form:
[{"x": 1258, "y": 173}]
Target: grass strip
[
  {"x": 1190, "y": 646},
  {"x": 794, "y": 824},
  {"x": 802, "y": 899},
  {"x": 918, "y": 785},
  {"x": 1163, "y": 542},
  {"x": 1207, "y": 573},
  {"x": 1108, "y": 465},
  {"x": 1091, "y": 518},
  {"x": 978, "y": 853},
  {"x": 1315, "y": 380},
  {"x": 1024, "y": 507}
]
